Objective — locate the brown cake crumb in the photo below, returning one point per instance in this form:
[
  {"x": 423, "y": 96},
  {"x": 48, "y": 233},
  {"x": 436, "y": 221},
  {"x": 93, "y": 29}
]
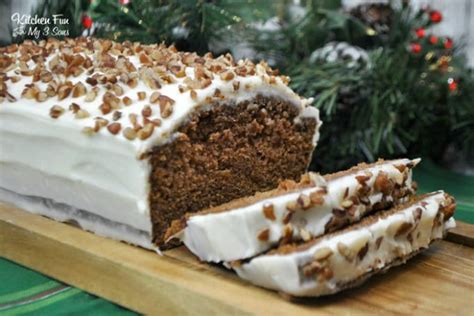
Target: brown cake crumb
[{"x": 230, "y": 154}]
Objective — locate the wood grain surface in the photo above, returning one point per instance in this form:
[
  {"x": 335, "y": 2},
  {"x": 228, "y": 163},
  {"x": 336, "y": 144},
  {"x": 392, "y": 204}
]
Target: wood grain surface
[
  {"x": 463, "y": 234},
  {"x": 438, "y": 281}
]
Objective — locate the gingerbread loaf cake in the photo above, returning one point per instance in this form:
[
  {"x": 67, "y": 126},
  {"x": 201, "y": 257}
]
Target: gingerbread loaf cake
[
  {"x": 295, "y": 211},
  {"x": 348, "y": 257},
  {"x": 123, "y": 138}
]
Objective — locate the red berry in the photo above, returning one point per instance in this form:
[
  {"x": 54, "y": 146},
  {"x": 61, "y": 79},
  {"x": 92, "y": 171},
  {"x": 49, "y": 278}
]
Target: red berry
[
  {"x": 420, "y": 32},
  {"x": 433, "y": 39},
  {"x": 87, "y": 21},
  {"x": 448, "y": 43},
  {"x": 452, "y": 84},
  {"x": 435, "y": 16},
  {"x": 415, "y": 48}
]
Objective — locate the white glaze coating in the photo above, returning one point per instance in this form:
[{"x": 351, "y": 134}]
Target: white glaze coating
[
  {"x": 86, "y": 220},
  {"x": 284, "y": 272},
  {"x": 232, "y": 235},
  {"x": 103, "y": 173}
]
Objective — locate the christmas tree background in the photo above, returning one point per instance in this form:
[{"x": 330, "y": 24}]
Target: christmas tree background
[{"x": 385, "y": 84}]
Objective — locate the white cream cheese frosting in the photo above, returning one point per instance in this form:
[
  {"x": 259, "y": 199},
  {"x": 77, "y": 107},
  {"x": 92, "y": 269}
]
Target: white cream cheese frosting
[
  {"x": 334, "y": 262},
  {"x": 76, "y": 116},
  {"x": 85, "y": 220},
  {"x": 332, "y": 203}
]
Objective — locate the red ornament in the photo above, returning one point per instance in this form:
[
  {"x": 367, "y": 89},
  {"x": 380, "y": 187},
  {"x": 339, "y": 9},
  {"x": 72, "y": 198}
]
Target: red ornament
[
  {"x": 420, "y": 32},
  {"x": 433, "y": 39},
  {"x": 415, "y": 48},
  {"x": 436, "y": 16},
  {"x": 448, "y": 43},
  {"x": 124, "y": 2},
  {"x": 86, "y": 21},
  {"x": 452, "y": 84}
]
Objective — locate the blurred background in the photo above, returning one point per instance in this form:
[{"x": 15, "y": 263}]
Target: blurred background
[{"x": 391, "y": 78}]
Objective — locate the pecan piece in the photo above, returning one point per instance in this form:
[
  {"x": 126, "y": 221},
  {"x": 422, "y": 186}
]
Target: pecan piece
[
  {"x": 322, "y": 254},
  {"x": 311, "y": 268},
  {"x": 114, "y": 128},
  {"x": 268, "y": 211},
  {"x": 81, "y": 114},
  {"x": 129, "y": 133},
  {"x": 56, "y": 111},
  {"x": 264, "y": 234},
  {"x": 303, "y": 201},
  {"x": 146, "y": 131},
  {"x": 317, "y": 197},
  {"x": 79, "y": 90}
]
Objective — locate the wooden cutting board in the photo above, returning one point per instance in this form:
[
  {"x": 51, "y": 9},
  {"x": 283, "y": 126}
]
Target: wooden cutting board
[{"x": 438, "y": 281}]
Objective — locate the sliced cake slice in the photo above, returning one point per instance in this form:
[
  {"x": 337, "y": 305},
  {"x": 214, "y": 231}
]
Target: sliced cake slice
[
  {"x": 295, "y": 211},
  {"x": 346, "y": 258}
]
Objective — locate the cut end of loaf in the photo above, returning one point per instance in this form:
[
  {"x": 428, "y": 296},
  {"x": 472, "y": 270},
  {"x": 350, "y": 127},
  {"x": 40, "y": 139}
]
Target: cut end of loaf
[{"x": 225, "y": 152}]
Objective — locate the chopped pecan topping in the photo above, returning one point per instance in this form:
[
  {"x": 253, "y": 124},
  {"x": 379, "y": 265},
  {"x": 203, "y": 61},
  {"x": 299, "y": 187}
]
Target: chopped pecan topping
[
  {"x": 305, "y": 235},
  {"x": 147, "y": 111},
  {"x": 116, "y": 115},
  {"x": 99, "y": 123},
  {"x": 417, "y": 214},
  {"x": 325, "y": 274},
  {"x": 268, "y": 211},
  {"x": 401, "y": 168},
  {"x": 322, "y": 254},
  {"x": 141, "y": 95},
  {"x": 81, "y": 114},
  {"x": 264, "y": 234},
  {"x": 287, "y": 218},
  {"x": 292, "y": 206},
  {"x": 146, "y": 131},
  {"x": 317, "y": 197},
  {"x": 79, "y": 90},
  {"x": 89, "y": 131},
  {"x": 287, "y": 234},
  {"x": 304, "y": 201},
  {"x": 92, "y": 81},
  {"x": 227, "y": 76},
  {"x": 236, "y": 85},
  {"x": 56, "y": 111},
  {"x": 91, "y": 95},
  {"x": 363, "y": 251},
  {"x": 378, "y": 242},
  {"x": 105, "y": 108},
  {"x": 114, "y": 128},
  {"x": 311, "y": 268},
  {"x": 127, "y": 101},
  {"x": 166, "y": 106},
  {"x": 403, "y": 229},
  {"x": 41, "y": 96},
  {"x": 383, "y": 183},
  {"x": 346, "y": 252},
  {"x": 347, "y": 204},
  {"x": 129, "y": 133},
  {"x": 74, "y": 107},
  {"x": 64, "y": 91},
  {"x": 155, "y": 97}
]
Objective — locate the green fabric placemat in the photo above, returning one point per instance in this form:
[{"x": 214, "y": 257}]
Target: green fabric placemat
[
  {"x": 430, "y": 178},
  {"x": 23, "y": 291}
]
